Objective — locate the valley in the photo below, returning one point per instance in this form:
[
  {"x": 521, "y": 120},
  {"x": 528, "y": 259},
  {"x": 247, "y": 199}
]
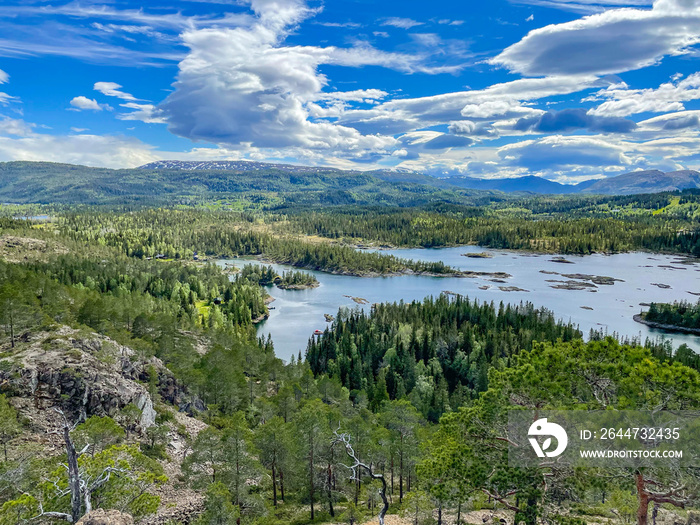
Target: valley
[{"x": 232, "y": 351}]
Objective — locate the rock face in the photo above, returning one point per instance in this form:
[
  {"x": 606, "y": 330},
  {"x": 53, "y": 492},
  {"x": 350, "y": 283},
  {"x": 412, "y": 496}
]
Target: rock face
[
  {"x": 106, "y": 517},
  {"x": 83, "y": 374}
]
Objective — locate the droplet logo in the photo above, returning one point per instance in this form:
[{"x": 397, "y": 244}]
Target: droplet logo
[{"x": 543, "y": 428}]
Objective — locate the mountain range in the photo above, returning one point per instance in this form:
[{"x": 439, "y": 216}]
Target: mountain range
[
  {"x": 636, "y": 182},
  {"x": 288, "y": 185}
]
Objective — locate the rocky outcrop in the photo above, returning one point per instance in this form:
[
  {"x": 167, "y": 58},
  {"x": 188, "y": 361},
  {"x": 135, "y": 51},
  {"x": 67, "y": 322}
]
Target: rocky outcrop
[
  {"x": 84, "y": 374},
  {"x": 188, "y": 508},
  {"x": 106, "y": 517}
]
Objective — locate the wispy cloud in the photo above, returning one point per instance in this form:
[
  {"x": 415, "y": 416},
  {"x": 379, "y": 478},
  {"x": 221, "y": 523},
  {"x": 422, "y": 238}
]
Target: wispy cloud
[
  {"x": 174, "y": 19},
  {"x": 112, "y": 89},
  {"x": 402, "y": 23},
  {"x": 584, "y": 6}
]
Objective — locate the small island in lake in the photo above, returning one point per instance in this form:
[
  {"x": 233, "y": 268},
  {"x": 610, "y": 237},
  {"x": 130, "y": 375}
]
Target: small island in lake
[
  {"x": 358, "y": 300},
  {"x": 680, "y": 316},
  {"x": 295, "y": 280},
  {"x": 267, "y": 276}
]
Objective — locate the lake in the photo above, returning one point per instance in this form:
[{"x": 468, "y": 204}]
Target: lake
[{"x": 297, "y": 313}]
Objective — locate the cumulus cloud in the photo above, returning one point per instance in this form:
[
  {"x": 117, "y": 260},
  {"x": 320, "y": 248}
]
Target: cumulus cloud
[
  {"x": 446, "y": 140},
  {"x": 573, "y": 119},
  {"x": 620, "y": 101},
  {"x": 359, "y": 95},
  {"x": 504, "y": 101},
  {"x": 672, "y": 121},
  {"x": 245, "y": 87},
  {"x": 82, "y": 103},
  {"x": 501, "y": 109},
  {"x": 613, "y": 41},
  {"x": 558, "y": 152},
  {"x": 418, "y": 141},
  {"x": 468, "y": 127},
  {"x": 16, "y": 127},
  {"x": 88, "y": 150}
]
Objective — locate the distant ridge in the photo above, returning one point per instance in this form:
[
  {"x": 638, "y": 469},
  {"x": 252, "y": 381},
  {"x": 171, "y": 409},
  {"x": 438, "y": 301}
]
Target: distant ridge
[
  {"x": 529, "y": 184},
  {"x": 650, "y": 181},
  {"x": 232, "y": 165}
]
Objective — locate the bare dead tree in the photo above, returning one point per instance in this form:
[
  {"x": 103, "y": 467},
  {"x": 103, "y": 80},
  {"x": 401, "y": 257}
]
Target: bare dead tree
[
  {"x": 81, "y": 484},
  {"x": 344, "y": 439}
]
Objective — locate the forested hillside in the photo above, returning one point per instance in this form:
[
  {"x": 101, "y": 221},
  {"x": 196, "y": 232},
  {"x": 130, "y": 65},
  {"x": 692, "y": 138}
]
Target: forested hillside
[
  {"x": 663, "y": 222},
  {"x": 44, "y": 182}
]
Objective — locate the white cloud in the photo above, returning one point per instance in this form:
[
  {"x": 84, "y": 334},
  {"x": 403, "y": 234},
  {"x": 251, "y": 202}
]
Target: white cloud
[
  {"x": 173, "y": 20},
  {"x": 88, "y": 150},
  {"x": 498, "y": 109},
  {"x": 620, "y": 101},
  {"x": 584, "y": 6},
  {"x": 558, "y": 152},
  {"x": 678, "y": 121},
  {"x": 4, "y": 97},
  {"x": 613, "y": 41},
  {"x": 244, "y": 86},
  {"x": 500, "y": 101},
  {"x": 402, "y": 23},
  {"x": 16, "y": 127},
  {"x": 474, "y": 129},
  {"x": 147, "y": 113},
  {"x": 111, "y": 89},
  {"x": 82, "y": 103},
  {"x": 358, "y": 95}
]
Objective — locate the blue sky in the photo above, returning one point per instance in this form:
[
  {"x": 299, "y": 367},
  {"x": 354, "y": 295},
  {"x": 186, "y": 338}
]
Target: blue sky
[{"x": 564, "y": 89}]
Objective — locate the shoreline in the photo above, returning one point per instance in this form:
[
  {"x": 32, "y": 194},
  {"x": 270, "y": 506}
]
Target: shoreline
[
  {"x": 666, "y": 327},
  {"x": 467, "y": 274},
  {"x": 298, "y": 286}
]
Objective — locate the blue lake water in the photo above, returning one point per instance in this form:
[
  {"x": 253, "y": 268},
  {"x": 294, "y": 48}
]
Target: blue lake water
[{"x": 297, "y": 313}]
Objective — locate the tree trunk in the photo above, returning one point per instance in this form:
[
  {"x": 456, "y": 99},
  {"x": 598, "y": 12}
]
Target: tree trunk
[
  {"x": 73, "y": 475},
  {"x": 439, "y": 514},
  {"x": 382, "y": 493},
  {"x": 282, "y": 485},
  {"x": 274, "y": 486},
  {"x": 392, "y": 473},
  {"x": 401, "y": 475},
  {"x": 459, "y": 512},
  {"x": 311, "y": 476},
  {"x": 643, "y": 498},
  {"x": 329, "y": 483}
]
